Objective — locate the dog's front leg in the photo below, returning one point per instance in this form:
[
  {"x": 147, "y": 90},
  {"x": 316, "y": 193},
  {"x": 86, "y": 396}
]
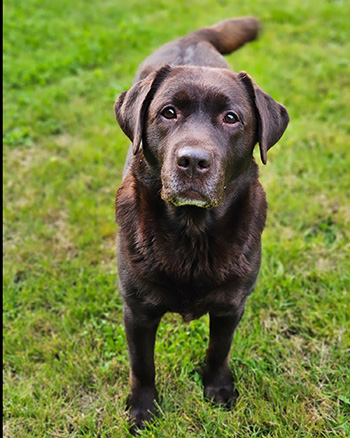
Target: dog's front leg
[
  {"x": 141, "y": 334},
  {"x": 218, "y": 380}
]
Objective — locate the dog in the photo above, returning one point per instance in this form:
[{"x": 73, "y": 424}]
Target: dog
[{"x": 190, "y": 207}]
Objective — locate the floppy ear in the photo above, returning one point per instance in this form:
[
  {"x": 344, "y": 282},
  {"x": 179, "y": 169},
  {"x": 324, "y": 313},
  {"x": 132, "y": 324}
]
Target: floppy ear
[
  {"x": 272, "y": 116},
  {"x": 132, "y": 105}
]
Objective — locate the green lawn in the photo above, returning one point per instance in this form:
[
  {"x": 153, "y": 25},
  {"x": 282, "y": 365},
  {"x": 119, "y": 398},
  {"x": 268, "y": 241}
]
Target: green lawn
[{"x": 65, "y": 357}]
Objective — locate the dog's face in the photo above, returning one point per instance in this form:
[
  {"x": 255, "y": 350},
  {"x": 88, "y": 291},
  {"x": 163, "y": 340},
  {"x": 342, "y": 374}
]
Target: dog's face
[
  {"x": 201, "y": 131},
  {"x": 198, "y": 127}
]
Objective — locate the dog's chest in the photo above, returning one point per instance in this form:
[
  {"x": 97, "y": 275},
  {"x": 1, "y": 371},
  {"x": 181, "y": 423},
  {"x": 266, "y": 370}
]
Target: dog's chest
[
  {"x": 178, "y": 262},
  {"x": 187, "y": 266}
]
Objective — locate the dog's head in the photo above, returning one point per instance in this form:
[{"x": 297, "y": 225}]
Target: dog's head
[{"x": 198, "y": 127}]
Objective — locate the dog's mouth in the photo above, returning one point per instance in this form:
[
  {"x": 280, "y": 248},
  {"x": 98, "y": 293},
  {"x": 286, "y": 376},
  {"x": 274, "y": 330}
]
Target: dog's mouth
[{"x": 189, "y": 197}]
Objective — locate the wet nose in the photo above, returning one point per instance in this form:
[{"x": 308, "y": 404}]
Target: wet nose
[{"x": 193, "y": 161}]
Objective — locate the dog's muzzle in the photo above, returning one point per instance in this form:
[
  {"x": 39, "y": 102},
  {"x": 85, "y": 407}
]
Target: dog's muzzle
[{"x": 192, "y": 180}]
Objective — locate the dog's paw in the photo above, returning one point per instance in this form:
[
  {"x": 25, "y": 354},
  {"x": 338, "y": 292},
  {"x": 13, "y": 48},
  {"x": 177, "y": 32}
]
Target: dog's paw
[
  {"x": 222, "y": 395},
  {"x": 142, "y": 409},
  {"x": 219, "y": 388}
]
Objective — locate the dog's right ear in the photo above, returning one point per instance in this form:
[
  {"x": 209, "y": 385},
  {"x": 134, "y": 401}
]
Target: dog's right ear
[{"x": 132, "y": 105}]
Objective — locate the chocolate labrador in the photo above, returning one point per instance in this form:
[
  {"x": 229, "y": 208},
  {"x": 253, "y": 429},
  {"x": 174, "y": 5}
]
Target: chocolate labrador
[{"x": 190, "y": 208}]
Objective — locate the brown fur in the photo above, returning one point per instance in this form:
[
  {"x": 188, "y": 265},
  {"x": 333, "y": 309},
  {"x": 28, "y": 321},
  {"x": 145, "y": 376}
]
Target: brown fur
[{"x": 191, "y": 209}]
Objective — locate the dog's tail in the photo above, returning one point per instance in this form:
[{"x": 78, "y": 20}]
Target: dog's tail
[{"x": 228, "y": 35}]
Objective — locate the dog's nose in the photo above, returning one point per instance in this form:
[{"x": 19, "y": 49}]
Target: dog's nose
[{"x": 193, "y": 160}]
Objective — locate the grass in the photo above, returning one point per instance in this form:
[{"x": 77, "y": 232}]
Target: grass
[{"x": 65, "y": 357}]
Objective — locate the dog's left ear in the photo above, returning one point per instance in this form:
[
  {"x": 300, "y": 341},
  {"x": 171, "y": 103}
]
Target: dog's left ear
[
  {"x": 132, "y": 105},
  {"x": 272, "y": 116}
]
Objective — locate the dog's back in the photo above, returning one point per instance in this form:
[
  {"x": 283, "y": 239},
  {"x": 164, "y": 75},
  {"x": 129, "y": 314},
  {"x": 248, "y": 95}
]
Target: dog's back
[{"x": 204, "y": 47}]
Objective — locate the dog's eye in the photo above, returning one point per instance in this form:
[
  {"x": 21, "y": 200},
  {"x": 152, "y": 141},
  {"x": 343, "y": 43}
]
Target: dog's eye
[
  {"x": 169, "y": 112},
  {"x": 231, "y": 118}
]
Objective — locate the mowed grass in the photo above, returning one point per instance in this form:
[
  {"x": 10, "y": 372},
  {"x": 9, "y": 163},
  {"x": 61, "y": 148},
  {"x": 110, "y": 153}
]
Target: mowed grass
[{"x": 65, "y": 355}]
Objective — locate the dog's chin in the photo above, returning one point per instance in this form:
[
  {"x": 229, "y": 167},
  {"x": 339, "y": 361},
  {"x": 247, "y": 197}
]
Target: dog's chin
[{"x": 189, "y": 198}]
